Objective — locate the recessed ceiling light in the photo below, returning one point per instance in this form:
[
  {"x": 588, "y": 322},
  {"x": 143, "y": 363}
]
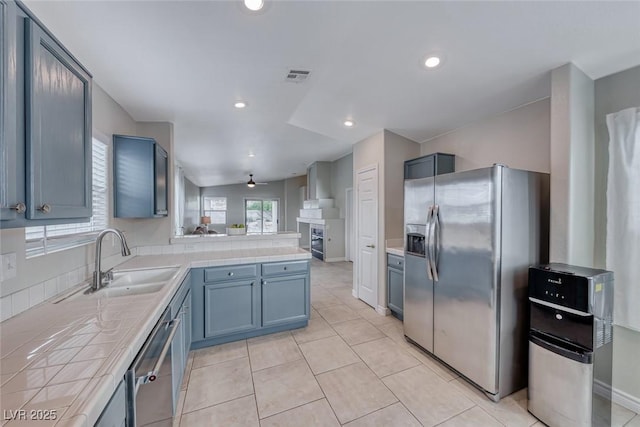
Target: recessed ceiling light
[
  {"x": 254, "y": 5},
  {"x": 240, "y": 104},
  {"x": 432, "y": 62},
  {"x": 251, "y": 154},
  {"x": 349, "y": 123}
]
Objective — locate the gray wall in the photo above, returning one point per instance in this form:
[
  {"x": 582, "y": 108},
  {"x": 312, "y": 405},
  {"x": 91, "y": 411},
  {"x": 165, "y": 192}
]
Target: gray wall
[
  {"x": 237, "y": 193},
  {"x": 341, "y": 179},
  {"x": 614, "y": 93},
  {"x": 517, "y": 138},
  {"x": 191, "y": 206},
  {"x": 293, "y": 201},
  {"x": 397, "y": 149}
]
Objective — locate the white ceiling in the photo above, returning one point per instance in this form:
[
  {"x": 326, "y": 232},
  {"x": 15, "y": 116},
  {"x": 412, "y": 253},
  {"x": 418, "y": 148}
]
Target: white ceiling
[{"x": 187, "y": 62}]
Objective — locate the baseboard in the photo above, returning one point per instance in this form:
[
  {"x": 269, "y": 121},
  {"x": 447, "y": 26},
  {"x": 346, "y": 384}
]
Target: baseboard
[
  {"x": 383, "y": 311},
  {"x": 623, "y": 399},
  {"x": 354, "y": 293},
  {"x": 339, "y": 259}
]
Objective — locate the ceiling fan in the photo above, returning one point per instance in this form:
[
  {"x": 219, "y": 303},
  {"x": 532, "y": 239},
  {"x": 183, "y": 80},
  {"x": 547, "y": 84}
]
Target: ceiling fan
[{"x": 251, "y": 183}]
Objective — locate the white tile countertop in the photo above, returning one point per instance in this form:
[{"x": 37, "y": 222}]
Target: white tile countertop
[
  {"x": 399, "y": 251},
  {"x": 208, "y": 238},
  {"x": 68, "y": 355}
]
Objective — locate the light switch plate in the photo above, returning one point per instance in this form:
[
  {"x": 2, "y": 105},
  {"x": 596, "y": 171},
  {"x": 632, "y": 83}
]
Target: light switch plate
[{"x": 9, "y": 267}]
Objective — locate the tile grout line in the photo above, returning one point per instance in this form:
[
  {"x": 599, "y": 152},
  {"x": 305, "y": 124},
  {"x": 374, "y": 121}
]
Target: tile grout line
[{"x": 253, "y": 383}]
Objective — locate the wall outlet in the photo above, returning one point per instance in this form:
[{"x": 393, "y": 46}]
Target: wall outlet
[{"x": 9, "y": 267}]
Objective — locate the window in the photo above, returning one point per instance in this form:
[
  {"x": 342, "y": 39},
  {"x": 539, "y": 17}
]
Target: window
[
  {"x": 50, "y": 238},
  {"x": 261, "y": 216},
  {"x": 216, "y": 208}
]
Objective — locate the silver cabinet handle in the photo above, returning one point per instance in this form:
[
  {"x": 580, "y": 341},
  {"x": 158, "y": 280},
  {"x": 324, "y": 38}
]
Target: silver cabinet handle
[
  {"x": 19, "y": 207},
  {"x": 153, "y": 375},
  {"x": 285, "y": 268},
  {"x": 46, "y": 208},
  {"x": 264, "y": 282},
  {"x": 231, "y": 273},
  {"x": 371, "y": 246}
]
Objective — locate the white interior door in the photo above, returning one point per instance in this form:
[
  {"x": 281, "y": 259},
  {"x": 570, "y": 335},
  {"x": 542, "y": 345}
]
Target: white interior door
[
  {"x": 367, "y": 236},
  {"x": 348, "y": 222}
]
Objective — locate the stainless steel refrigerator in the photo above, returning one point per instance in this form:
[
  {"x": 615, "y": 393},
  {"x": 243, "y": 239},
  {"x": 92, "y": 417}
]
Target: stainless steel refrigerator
[{"x": 469, "y": 240}]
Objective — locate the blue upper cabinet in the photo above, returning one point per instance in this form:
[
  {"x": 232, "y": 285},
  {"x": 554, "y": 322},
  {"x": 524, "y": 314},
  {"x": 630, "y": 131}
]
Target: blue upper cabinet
[
  {"x": 140, "y": 167},
  {"x": 45, "y": 137},
  {"x": 58, "y": 130},
  {"x": 430, "y": 165},
  {"x": 10, "y": 202}
]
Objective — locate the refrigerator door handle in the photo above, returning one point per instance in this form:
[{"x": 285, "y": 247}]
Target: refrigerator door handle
[
  {"x": 436, "y": 241},
  {"x": 428, "y": 244}
]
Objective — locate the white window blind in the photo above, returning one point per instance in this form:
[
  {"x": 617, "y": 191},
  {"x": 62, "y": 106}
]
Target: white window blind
[
  {"x": 216, "y": 208},
  {"x": 51, "y": 238}
]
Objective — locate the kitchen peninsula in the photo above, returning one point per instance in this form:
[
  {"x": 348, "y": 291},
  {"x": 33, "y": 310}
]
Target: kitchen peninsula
[{"x": 88, "y": 342}]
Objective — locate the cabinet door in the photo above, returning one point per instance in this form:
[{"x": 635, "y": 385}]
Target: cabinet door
[
  {"x": 284, "y": 300},
  {"x": 396, "y": 289},
  {"x": 11, "y": 140},
  {"x": 187, "y": 325},
  {"x": 133, "y": 170},
  {"x": 231, "y": 307},
  {"x": 58, "y": 126},
  {"x": 422, "y": 167},
  {"x": 161, "y": 183},
  {"x": 114, "y": 414}
]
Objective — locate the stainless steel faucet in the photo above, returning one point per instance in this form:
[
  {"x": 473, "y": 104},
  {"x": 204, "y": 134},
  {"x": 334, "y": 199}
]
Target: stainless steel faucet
[{"x": 99, "y": 276}]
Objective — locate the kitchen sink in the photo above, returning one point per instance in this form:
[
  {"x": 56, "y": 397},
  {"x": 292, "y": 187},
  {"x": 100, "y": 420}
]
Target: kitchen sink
[
  {"x": 130, "y": 282},
  {"x": 140, "y": 277},
  {"x": 125, "y": 290}
]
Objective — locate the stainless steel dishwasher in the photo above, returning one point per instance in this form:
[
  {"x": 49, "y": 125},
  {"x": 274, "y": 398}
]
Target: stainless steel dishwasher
[{"x": 149, "y": 379}]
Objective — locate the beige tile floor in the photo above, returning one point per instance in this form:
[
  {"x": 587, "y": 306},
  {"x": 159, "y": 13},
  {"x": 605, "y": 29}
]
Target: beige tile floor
[{"x": 349, "y": 367}]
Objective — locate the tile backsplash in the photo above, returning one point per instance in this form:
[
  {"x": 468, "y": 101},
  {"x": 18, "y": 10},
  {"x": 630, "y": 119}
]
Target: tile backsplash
[{"x": 17, "y": 302}]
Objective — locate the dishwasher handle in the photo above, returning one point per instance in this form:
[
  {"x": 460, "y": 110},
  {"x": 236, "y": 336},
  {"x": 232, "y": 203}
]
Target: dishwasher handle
[{"x": 153, "y": 375}]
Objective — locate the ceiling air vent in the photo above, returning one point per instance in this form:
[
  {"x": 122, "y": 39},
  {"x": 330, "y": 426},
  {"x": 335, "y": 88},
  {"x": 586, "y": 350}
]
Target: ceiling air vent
[{"x": 297, "y": 76}]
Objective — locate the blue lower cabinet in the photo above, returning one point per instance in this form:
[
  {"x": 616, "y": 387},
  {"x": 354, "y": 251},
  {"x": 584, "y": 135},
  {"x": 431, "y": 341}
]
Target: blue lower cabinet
[
  {"x": 395, "y": 284},
  {"x": 115, "y": 413},
  {"x": 285, "y": 299},
  {"x": 231, "y": 307},
  {"x": 236, "y": 302}
]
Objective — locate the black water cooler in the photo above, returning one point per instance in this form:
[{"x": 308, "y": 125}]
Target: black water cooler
[{"x": 570, "y": 345}]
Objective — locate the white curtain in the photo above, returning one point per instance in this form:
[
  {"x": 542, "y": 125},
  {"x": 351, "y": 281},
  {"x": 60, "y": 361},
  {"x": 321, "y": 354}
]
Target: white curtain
[{"x": 623, "y": 215}]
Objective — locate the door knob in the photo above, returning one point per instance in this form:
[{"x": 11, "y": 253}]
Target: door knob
[
  {"x": 371, "y": 246},
  {"x": 46, "y": 208},
  {"x": 19, "y": 207}
]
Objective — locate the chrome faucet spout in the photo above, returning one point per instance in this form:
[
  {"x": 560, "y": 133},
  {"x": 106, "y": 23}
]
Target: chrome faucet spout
[{"x": 98, "y": 275}]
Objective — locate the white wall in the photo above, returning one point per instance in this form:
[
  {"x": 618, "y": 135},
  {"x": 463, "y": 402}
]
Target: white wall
[
  {"x": 614, "y": 93},
  {"x": 518, "y": 138},
  {"x": 237, "y": 193}
]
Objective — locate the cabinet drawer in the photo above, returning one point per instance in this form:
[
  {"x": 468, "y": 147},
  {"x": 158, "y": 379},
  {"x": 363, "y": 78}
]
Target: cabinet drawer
[
  {"x": 217, "y": 274},
  {"x": 280, "y": 268},
  {"x": 395, "y": 261}
]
